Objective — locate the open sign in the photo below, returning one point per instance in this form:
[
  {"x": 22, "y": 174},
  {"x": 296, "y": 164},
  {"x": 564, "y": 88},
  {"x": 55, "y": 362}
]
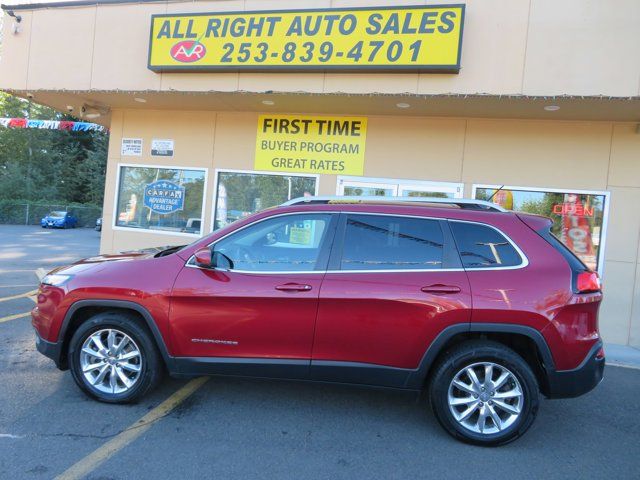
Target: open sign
[
  {"x": 576, "y": 209},
  {"x": 188, "y": 51}
]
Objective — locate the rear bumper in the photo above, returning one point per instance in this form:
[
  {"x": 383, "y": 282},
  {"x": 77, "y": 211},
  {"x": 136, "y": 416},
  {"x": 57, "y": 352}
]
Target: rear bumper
[
  {"x": 576, "y": 382},
  {"x": 52, "y": 350}
]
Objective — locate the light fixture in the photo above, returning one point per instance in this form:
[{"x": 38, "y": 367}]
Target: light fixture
[
  {"x": 402, "y": 105},
  {"x": 15, "y": 28},
  {"x": 93, "y": 111},
  {"x": 268, "y": 102},
  {"x": 552, "y": 108},
  {"x": 140, "y": 100},
  {"x": 12, "y": 14}
]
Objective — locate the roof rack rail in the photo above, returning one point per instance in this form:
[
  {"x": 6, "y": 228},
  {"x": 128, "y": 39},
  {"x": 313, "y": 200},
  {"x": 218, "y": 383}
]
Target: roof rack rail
[{"x": 464, "y": 203}]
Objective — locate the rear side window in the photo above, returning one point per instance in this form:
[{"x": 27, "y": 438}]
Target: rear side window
[
  {"x": 384, "y": 242},
  {"x": 481, "y": 246}
]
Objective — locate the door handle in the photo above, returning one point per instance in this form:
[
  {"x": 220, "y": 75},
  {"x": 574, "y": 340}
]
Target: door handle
[
  {"x": 294, "y": 287},
  {"x": 441, "y": 289}
]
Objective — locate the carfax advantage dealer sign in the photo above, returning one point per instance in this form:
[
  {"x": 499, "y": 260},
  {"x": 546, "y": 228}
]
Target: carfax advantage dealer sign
[{"x": 422, "y": 38}]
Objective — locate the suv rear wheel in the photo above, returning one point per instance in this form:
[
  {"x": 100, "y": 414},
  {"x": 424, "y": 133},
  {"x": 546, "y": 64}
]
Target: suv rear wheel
[
  {"x": 484, "y": 393},
  {"x": 113, "y": 358}
]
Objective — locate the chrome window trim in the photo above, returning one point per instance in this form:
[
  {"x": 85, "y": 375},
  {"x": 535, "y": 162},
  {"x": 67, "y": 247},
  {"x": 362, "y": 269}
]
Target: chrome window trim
[
  {"x": 263, "y": 272},
  {"x": 524, "y": 260}
]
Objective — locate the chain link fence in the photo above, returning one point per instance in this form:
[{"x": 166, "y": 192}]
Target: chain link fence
[{"x": 17, "y": 213}]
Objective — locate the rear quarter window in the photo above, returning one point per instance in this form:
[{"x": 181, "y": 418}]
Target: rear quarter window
[{"x": 481, "y": 246}]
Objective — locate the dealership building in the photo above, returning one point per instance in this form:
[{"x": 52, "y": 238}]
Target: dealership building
[{"x": 217, "y": 109}]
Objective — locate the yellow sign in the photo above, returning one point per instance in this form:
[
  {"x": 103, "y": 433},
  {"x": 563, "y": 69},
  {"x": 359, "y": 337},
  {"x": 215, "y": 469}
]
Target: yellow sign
[
  {"x": 311, "y": 144},
  {"x": 300, "y": 235},
  {"x": 422, "y": 38}
]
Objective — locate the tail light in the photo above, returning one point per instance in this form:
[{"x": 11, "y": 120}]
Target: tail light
[{"x": 588, "y": 282}]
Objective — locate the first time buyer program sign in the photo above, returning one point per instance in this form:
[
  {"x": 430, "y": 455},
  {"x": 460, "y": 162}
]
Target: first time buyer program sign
[
  {"x": 413, "y": 38},
  {"x": 311, "y": 144}
]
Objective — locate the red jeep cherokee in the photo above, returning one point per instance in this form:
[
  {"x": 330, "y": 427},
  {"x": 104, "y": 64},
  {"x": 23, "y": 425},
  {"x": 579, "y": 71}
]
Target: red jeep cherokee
[{"x": 483, "y": 307}]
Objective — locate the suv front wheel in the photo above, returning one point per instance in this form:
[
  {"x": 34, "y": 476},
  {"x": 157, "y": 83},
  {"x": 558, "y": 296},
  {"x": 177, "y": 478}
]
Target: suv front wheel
[
  {"x": 484, "y": 393},
  {"x": 114, "y": 359}
]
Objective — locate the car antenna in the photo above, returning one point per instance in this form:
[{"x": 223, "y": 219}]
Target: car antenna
[{"x": 494, "y": 194}]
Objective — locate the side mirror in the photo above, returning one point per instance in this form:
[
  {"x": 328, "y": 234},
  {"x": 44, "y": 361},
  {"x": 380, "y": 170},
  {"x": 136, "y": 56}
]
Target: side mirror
[
  {"x": 207, "y": 258},
  {"x": 221, "y": 261},
  {"x": 203, "y": 257}
]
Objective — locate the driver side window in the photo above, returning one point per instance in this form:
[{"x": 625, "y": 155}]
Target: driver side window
[{"x": 288, "y": 243}]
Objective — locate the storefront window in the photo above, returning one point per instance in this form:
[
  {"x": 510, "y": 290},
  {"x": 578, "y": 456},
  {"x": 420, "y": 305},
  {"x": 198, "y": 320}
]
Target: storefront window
[
  {"x": 239, "y": 194},
  {"x": 578, "y": 217},
  {"x": 163, "y": 199},
  {"x": 393, "y": 187}
]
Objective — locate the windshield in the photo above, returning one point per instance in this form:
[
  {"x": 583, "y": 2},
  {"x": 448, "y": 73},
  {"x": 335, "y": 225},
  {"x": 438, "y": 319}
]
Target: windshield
[{"x": 57, "y": 214}]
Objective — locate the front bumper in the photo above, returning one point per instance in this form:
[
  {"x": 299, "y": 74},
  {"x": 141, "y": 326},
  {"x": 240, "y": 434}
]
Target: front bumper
[
  {"x": 576, "y": 382},
  {"x": 53, "y": 350}
]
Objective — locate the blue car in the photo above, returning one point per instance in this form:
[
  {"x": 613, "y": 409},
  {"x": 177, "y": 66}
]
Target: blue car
[{"x": 59, "y": 220}]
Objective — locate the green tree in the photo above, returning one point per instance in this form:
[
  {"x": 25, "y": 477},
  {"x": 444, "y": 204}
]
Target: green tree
[{"x": 49, "y": 166}]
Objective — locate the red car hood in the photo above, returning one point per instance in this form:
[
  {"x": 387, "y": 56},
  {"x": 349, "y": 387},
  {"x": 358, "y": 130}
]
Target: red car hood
[{"x": 101, "y": 260}]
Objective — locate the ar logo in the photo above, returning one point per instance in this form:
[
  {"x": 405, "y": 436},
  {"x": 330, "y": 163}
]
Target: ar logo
[{"x": 188, "y": 51}]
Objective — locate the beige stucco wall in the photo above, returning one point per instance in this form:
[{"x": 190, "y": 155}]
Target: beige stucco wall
[
  {"x": 521, "y": 47},
  {"x": 552, "y": 154},
  {"x": 529, "y": 47}
]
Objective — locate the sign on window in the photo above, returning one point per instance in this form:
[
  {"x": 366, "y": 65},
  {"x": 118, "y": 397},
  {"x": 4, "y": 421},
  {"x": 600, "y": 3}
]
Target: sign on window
[{"x": 164, "y": 197}]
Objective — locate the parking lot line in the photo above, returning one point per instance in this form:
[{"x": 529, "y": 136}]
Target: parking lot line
[
  {"x": 106, "y": 451},
  {"x": 14, "y": 317},
  {"x": 13, "y": 297}
]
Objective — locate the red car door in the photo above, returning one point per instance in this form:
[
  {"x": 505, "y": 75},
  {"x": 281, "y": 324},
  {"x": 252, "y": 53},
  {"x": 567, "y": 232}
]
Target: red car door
[
  {"x": 394, "y": 283},
  {"x": 264, "y": 305}
]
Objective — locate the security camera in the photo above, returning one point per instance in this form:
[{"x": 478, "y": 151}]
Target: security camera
[{"x": 69, "y": 108}]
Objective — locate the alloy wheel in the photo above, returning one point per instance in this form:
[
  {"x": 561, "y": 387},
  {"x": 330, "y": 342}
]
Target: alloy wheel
[
  {"x": 110, "y": 360},
  {"x": 485, "y": 398}
]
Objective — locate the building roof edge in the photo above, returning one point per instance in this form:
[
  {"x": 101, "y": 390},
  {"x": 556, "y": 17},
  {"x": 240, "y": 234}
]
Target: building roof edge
[{"x": 70, "y": 3}]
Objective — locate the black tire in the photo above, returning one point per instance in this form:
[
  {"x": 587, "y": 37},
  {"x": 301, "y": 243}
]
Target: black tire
[
  {"x": 152, "y": 367},
  {"x": 466, "y": 354}
]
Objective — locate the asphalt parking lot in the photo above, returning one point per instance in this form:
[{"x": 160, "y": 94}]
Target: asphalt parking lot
[{"x": 243, "y": 429}]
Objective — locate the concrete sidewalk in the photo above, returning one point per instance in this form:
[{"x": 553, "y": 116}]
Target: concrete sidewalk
[{"x": 622, "y": 355}]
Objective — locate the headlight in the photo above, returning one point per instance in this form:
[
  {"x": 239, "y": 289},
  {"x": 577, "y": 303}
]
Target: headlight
[{"x": 56, "y": 280}]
